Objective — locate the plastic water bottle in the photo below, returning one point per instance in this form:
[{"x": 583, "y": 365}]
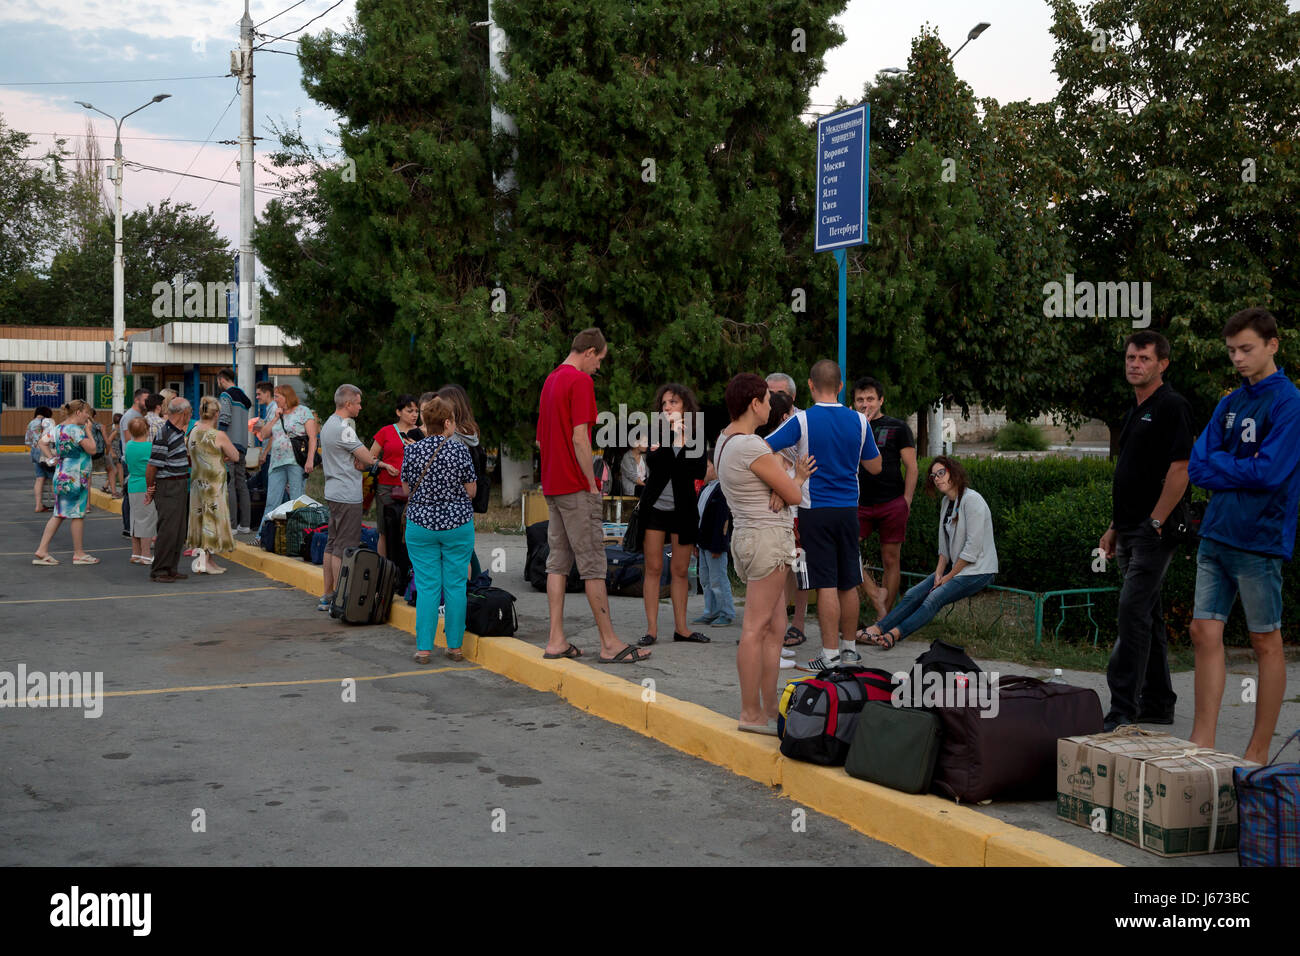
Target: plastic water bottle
[{"x": 1056, "y": 677}]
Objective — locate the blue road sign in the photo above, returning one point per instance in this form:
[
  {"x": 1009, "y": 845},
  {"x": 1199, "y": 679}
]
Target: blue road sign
[{"x": 843, "y": 141}]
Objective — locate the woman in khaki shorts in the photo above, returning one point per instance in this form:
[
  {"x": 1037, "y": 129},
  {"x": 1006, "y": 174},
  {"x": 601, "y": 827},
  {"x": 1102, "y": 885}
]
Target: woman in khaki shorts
[{"x": 762, "y": 543}]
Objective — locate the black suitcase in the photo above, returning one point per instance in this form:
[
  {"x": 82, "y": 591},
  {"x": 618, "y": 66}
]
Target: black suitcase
[
  {"x": 365, "y": 589},
  {"x": 393, "y": 523},
  {"x": 490, "y": 612}
]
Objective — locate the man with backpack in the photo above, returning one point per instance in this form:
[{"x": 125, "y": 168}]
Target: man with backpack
[{"x": 233, "y": 420}]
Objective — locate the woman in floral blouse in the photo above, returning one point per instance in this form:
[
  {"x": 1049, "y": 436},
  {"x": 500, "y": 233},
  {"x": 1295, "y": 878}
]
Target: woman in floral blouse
[
  {"x": 72, "y": 445},
  {"x": 438, "y": 475}
]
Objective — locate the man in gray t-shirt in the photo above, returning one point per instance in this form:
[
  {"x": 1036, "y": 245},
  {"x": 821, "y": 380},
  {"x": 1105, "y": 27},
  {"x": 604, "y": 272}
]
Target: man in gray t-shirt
[{"x": 343, "y": 455}]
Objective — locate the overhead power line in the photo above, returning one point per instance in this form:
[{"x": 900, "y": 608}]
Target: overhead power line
[
  {"x": 160, "y": 79},
  {"x": 209, "y": 138},
  {"x": 303, "y": 27},
  {"x": 280, "y": 14}
]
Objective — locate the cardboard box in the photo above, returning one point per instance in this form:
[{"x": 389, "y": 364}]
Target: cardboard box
[
  {"x": 1085, "y": 771},
  {"x": 1178, "y": 803}
]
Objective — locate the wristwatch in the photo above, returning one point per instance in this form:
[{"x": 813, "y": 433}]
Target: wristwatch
[{"x": 1156, "y": 523}]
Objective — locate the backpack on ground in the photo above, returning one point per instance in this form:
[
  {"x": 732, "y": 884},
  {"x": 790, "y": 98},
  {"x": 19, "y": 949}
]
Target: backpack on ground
[
  {"x": 316, "y": 545},
  {"x": 296, "y": 525},
  {"x": 365, "y": 588},
  {"x": 535, "y": 562},
  {"x": 490, "y": 612},
  {"x": 823, "y": 712}
]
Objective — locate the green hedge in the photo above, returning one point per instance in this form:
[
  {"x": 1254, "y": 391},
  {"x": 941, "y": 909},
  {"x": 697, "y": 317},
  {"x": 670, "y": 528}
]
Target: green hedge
[{"x": 1048, "y": 516}]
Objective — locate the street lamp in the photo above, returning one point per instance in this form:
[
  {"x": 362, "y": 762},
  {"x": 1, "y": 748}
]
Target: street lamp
[
  {"x": 119, "y": 319},
  {"x": 973, "y": 35}
]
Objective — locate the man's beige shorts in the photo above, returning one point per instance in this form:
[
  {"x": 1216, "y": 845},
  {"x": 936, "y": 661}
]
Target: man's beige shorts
[
  {"x": 576, "y": 532},
  {"x": 757, "y": 552}
]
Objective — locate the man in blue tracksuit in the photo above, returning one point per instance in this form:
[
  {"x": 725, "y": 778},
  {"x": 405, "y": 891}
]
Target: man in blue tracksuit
[{"x": 1249, "y": 456}]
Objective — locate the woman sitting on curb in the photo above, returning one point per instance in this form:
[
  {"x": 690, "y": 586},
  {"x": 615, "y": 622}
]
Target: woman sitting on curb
[{"x": 968, "y": 559}]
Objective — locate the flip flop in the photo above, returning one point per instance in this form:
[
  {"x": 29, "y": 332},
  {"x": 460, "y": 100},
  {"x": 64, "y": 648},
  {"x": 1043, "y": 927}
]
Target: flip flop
[
  {"x": 768, "y": 729},
  {"x": 570, "y": 652},
  {"x": 794, "y": 637},
  {"x": 86, "y": 559},
  {"x": 695, "y": 637},
  {"x": 628, "y": 655},
  {"x": 46, "y": 561}
]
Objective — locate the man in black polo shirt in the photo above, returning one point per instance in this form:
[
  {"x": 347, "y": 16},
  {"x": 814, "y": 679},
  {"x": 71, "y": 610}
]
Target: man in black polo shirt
[
  {"x": 166, "y": 484},
  {"x": 1150, "y": 479},
  {"x": 885, "y": 500}
]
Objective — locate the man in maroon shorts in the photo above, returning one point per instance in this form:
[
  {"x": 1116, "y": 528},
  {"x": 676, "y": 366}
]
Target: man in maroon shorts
[
  {"x": 885, "y": 500},
  {"x": 567, "y": 412}
]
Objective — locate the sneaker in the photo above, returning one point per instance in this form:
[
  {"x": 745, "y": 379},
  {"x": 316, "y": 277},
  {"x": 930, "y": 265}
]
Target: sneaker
[
  {"x": 723, "y": 621},
  {"x": 243, "y": 529},
  {"x": 849, "y": 657},
  {"x": 704, "y": 619},
  {"x": 787, "y": 653},
  {"x": 787, "y": 663},
  {"x": 325, "y": 602},
  {"x": 823, "y": 663},
  {"x": 126, "y": 534}
]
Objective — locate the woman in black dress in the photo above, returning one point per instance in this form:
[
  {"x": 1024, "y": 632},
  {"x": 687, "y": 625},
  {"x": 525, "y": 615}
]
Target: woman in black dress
[{"x": 668, "y": 508}]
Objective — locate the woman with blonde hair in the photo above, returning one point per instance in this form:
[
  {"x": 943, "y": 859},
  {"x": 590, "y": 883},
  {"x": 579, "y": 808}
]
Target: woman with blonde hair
[
  {"x": 210, "y": 449},
  {"x": 70, "y": 443},
  {"x": 285, "y": 480}
]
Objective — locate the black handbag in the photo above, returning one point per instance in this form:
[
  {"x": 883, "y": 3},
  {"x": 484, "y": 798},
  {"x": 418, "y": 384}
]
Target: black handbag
[
  {"x": 300, "y": 444},
  {"x": 634, "y": 536}
]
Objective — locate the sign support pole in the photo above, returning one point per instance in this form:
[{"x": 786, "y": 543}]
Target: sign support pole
[{"x": 842, "y": 259}]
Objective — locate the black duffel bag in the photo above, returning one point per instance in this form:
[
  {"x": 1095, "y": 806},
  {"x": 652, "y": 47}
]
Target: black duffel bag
[
  {"x": 1011, "y": 754},
  {"x": 490, "y": 612}
]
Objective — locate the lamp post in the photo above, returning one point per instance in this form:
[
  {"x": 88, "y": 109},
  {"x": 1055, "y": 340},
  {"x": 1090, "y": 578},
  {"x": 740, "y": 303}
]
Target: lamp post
[
  {"x": 119, "y": 319},
  {"x": 934, "y": 427}
]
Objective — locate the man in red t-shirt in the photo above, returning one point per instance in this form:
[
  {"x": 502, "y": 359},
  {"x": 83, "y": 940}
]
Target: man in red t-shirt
[{"x": 567, "y": 411}]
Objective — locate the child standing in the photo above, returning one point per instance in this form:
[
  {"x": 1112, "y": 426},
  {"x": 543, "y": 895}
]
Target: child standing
[
  {"x": 115, "y": 476},
  {"x": 144, "y": 514},
  {"x": 715, "y": 539}
]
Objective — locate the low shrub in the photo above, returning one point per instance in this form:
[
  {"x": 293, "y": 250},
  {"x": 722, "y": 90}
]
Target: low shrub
[{"x": 1020, "y": 436}]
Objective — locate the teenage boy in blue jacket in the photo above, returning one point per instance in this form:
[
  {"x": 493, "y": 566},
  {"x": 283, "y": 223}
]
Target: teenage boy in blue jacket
[{"x": 1249, "y": 456}]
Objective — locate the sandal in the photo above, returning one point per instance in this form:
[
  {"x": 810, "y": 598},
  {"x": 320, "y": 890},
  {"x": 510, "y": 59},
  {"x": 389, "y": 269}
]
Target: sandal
[
  {"x": 695, "y": 637},
  {"x": 46, "y": 561},
  {"x": 454, "y": 654},
  {"x": 422, "y": 657},
  {"x": 628, "y": 655},
  {"x": 884, "y": 641},
  {"x": 794, "y": 637},
  {"x": 86, "y": 559},
  {"x": 570, "y": 652}
]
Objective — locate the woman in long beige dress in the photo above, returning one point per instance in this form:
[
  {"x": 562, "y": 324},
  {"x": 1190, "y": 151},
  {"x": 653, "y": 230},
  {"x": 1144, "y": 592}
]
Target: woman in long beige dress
[{"x": 210, "y": 449}]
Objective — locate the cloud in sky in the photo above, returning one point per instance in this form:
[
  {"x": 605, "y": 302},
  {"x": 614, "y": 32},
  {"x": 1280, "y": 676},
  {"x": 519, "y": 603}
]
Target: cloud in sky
[{"x": 193, "y": 20}]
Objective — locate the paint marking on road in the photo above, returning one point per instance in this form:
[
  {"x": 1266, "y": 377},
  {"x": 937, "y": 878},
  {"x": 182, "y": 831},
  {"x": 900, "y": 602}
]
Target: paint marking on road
[
  {"x": 126, "y": 597},
  {"x": 35, "y": 520},
  {"x": 268, "y": 683},
  {"x": 10, "y": 554}
]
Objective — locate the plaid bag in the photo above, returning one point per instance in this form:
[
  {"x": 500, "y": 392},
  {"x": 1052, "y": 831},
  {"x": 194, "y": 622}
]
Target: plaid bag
[{"x": 1268, "y": 811}]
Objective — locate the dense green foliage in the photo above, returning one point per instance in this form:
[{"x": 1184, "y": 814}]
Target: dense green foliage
[{"x": 1020, "y": 436}]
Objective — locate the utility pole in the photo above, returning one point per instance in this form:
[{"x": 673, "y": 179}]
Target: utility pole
[
  {"x": 118, "y": 350},
  {"x": 245, "y": 350}
]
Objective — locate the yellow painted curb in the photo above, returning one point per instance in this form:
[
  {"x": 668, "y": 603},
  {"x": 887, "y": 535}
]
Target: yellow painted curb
[
  {"x": 925, "y": 826},
  {"x": 14, "y": 449},
  {"x": 704, "y": 733}
]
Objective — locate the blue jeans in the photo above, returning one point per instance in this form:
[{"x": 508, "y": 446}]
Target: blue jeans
[
  {"x": 440, "y": 560},
  {"x": 716, "y": 585},
  {"x": 285, "y": 478},
  {"x": 920, "y": 604}
]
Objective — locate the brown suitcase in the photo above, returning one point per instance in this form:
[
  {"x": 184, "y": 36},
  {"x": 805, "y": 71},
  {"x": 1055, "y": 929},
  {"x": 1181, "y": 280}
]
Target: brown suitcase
[{"x": 1012, "y": 755}]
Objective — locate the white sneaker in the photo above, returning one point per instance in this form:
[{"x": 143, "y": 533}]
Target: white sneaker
[
  {"x": 787, "y": 652},
  {"x": 242, "y": 529},
  {"x": 787, "y": 663}
]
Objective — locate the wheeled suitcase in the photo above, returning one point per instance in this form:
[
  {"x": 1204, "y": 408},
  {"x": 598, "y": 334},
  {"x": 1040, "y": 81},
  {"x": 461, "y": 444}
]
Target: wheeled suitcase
[
  {"x": 1010, "y": 752},
  {"x": 365, "y": 589}
]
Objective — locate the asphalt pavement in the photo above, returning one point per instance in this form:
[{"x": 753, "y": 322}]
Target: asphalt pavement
[{"x": 240, "y": 726}]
